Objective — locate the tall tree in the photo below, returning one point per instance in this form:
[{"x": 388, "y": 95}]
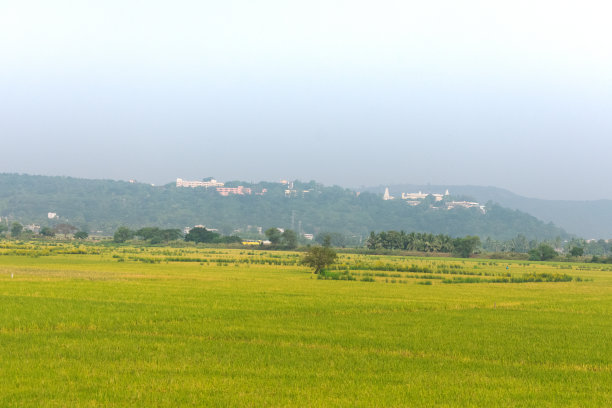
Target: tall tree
[
  {"x": 16, "y": 229},
  {"x": 289, "y": 239},
  {"x": 273, "y": 235},
  {"x": 123, "y": 234},
  {"x": 319, "y": 258}
]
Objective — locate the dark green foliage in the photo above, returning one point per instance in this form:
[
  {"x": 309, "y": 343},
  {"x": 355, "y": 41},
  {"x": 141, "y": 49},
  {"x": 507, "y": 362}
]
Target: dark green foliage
[
  {"x": 16, "y": 229},
  {"x": 273, "y": 235},
  {"x": 65, "y": 229},
  {"x": 289, "y": 239},
  {"x": 155, "y": 235},
  {"x": 604, "y": 260},
  {"x": 319, "y": 258},
  {"x": 105, "y": 205},
  {"x": 229, "y": 239},
  {"x": 123, "y": 234},
  {"x": 81, "y": 235},
  {"x": 464, "y": 247},
  {"x": 335, "y": 239},
  {"x": 577, "y": 251},
  {"x": 47, "y": 232},
  {"x": 543, "y": 252},
  {"x": 201, "y": 235},
  {"x": 414, "y": 241}
]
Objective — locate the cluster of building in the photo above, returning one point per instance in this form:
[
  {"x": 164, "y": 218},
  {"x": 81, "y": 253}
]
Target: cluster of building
[
  {"x": 291, "y": 191},
  {"x": 417, "y": 198},
  {"x": 219, "y": 186},
  {"x": 193, "y": 184}
]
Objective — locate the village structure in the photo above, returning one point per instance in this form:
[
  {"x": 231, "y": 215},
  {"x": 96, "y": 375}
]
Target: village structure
[
  {"x": 219, "y": 187},
  {"x": 414, "y": 199}
]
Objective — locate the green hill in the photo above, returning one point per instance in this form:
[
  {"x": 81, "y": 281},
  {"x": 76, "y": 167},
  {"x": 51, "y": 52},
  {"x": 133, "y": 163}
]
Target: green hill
[
  {"x": 588, "y": 219},
  {"x": 103, "y": 205}
]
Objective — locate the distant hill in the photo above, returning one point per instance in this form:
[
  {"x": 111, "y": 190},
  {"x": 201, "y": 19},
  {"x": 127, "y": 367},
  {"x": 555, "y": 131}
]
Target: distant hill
[
  {"x": 588, "y": 219},
  {"x": 104, "y": 205}
]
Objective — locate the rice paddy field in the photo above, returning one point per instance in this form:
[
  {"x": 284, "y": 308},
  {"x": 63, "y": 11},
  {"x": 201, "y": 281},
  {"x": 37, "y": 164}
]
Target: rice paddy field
[{"x": 103, "y": 326}]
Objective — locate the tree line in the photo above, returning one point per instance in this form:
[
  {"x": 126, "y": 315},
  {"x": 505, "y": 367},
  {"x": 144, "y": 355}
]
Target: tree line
[
  {"x": 156, "y": 235},
  {"x": 423, "y": 242}
]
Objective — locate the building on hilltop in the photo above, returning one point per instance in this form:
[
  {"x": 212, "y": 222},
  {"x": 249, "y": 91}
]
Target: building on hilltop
[
  {"x": 422, "y": 196},
  {"x": 387, "y": 196},
  {"x": 193, "y": 184},
  {"x": 240, "y": 190},
  {"x": 465, "y": 204}
]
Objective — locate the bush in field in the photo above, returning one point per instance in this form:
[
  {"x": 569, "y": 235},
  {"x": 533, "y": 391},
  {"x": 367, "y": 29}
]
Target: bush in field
[{"x": 319, "y": 258}]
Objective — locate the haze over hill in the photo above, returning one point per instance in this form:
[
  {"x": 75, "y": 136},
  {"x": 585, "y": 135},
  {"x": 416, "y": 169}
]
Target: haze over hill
[
  {"x": 586, "y": 218},
  {"x": 507, "y": 93}
]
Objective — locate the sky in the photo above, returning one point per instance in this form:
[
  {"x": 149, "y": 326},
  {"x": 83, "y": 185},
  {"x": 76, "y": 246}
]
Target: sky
[{"x": 514, "y": 94}]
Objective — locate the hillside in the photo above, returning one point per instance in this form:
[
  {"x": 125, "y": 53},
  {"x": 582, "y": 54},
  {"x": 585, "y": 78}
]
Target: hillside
[
  {"x": 588, "y": 219},
  {"x": 103, "y": 205}
]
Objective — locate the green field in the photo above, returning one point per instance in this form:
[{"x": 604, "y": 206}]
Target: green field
[{"x": 128, "y": 326}]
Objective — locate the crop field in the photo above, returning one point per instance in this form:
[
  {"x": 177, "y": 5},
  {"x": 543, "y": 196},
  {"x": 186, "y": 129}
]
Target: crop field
[{"x": 122, "y": 326}]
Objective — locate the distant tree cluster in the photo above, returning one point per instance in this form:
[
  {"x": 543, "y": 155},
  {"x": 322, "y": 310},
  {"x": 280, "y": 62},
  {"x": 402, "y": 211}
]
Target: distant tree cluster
[
  {"x": 155, "y": 235},
  {"x": 17, "y": 230},
  {"x": 202, "y": 235},
  {"x": 288, "y": 239},
  {"x": 543, "y": 252},
  {"x": 423, "y": 242},
  {"x": 414, "y": 241},
  {"x": 152, "y": 235}
]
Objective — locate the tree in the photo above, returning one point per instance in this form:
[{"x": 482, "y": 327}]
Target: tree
[
  {"x": 577, "y": 251},
  {"x": 16, "y": 229},
  {"x": 81, "y": 235},
  {"x": 47, "y": 232},
  {"x": 123, "y": 234},
  {"x": 289, "y": 239},
  {"x": 274, "y": 235},
  {"x": 336, "y": 239},
  {"x": 464, "y": 247},
  {"x": 65, "y": 229},
  {"x": 319, "y": 258},
  {"x": 156, "y": 236},
  {"x": 373, "y": 241},
  {"x": 3, "y": 228},
  {"x": 542, "y": 252},
  {"x": 200, "y": 234}
]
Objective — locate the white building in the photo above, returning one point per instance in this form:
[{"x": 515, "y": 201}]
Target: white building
[
  {"x": 193, "y": 184},
  {"x": 387, "y": 196},
  {"x": 422, "y": 196}
]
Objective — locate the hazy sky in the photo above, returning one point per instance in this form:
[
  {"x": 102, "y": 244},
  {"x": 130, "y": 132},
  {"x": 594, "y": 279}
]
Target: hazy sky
[{"x": 516, "y": 94}]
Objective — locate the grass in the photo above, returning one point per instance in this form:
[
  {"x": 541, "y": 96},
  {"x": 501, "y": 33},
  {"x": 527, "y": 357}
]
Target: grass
[{"x": 249, "y": 328}]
